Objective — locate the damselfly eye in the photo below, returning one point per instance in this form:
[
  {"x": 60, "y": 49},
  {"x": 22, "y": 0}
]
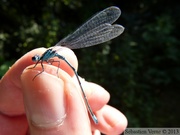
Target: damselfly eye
[{"x": 35, "y": 58}]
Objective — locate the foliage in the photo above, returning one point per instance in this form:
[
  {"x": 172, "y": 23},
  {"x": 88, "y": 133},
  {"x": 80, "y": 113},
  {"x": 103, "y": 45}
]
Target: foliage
[{"x": 140, "y": 68}]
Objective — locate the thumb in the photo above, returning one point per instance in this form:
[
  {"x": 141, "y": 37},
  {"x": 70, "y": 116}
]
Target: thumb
[{"x": 53, "y": 105}]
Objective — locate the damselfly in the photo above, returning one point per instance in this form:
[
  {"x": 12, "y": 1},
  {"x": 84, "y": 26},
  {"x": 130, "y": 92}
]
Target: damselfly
[{"x": 98, "y": 29}]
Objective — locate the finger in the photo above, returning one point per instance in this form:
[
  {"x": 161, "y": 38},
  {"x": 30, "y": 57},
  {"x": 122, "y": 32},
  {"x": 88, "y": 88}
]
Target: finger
[
  {"x": 53, "y": 105},
  {"x": 94, "y": 93},
  {"x": 111, "y": 121},
  {"x": 70, "y": 57},
  {"x": 13, "y": 125},
  {"x": 11, "y": 100}
]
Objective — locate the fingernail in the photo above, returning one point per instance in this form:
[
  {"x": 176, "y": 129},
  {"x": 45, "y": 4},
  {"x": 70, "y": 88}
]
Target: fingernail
[{"x": 45, "y": 101}]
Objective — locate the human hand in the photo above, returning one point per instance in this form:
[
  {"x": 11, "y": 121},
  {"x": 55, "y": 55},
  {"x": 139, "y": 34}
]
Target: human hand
[{"x": 53, "y": 105}]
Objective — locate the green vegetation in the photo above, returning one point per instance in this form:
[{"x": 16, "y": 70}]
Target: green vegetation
[{"x": 141, "y": 68}]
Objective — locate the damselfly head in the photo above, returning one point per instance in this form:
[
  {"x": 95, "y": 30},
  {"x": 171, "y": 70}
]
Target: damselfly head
[{"x": 35, "y": 58}]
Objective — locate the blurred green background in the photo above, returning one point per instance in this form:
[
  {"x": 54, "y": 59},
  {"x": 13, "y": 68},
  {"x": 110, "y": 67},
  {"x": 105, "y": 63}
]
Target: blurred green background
[{"x": 140, "y": 69}]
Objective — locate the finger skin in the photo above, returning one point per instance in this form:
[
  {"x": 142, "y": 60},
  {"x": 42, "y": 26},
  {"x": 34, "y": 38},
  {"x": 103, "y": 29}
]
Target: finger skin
[
  {"x": 96, "y": 94},
  {"x": 16, "y": 125},
  {"x": 46, "y": 90},
  {"x": 113, "y": 122},
  {"x": 11, "y": 100}
]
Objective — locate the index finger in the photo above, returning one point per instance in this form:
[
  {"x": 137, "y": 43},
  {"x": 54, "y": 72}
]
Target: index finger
[{"x": 11, "y": 100}]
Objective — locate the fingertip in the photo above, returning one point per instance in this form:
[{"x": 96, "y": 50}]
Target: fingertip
[
  {"x": 44, "y": 99},
  {"x": 70, "y": 56},
  {"x": 111, "y": 121}
]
